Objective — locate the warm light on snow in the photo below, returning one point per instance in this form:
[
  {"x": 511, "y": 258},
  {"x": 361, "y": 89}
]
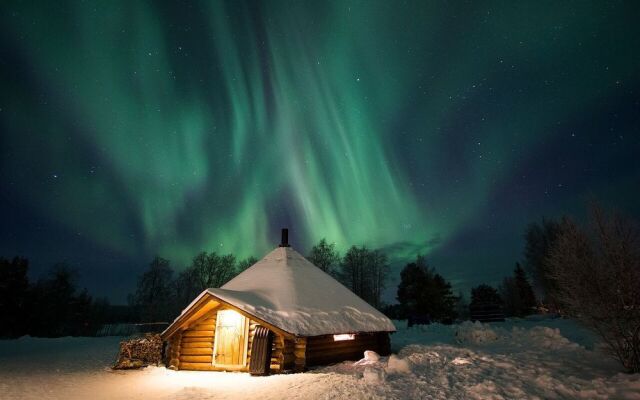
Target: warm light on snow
[
  {"x": 521, "y": 358},
  {"x": 344, "y": 336}
]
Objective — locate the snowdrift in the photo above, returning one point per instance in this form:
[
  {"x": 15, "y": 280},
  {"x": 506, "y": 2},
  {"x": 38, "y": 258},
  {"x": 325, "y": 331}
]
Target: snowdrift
[{"x": 549, "y": 359}]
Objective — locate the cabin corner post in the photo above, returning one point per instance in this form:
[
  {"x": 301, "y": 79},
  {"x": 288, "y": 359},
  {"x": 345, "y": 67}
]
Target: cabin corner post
[
  {"x": 174, "y": 350},
  {"x": 277, "y": 356},
  {"x": 300, "y": 354}
]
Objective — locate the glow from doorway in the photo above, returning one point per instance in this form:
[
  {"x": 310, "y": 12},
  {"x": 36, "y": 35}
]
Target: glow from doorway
[{"x": 230, "y": 318}]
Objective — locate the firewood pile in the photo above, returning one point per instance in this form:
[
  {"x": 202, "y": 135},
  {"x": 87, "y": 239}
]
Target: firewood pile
[{"x": 140, "y": 352}]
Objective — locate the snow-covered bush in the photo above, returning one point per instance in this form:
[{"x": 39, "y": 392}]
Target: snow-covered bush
[
  {"x": 542, "y": 337},
  {"x": 475, "y": 333},
  {"x": 370, "y": 357},
  {"x": 374, "y": 376},
  {"x": 397, "y": 365}
]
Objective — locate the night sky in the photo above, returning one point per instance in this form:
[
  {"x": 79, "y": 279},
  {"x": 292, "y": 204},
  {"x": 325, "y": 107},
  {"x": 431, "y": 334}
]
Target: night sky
[{"x": 130, "y": 129}]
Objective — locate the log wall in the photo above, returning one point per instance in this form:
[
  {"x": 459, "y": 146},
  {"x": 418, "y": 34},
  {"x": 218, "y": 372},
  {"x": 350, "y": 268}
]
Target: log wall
[
  {"x": 196, "y": 344},
  {"x": 194, "y": 349},
  {"x": 322, "y": 350}
]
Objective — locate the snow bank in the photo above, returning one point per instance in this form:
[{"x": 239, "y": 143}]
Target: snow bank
[
  {"x": 528, "y": 359},
  {"x": 374, "y": 376},
  {"x": 475, "y": 333},
  {"x": 370, "y": 358},
  {"x": 542, "y": 337},
  {"x": 397, "y": 365}
]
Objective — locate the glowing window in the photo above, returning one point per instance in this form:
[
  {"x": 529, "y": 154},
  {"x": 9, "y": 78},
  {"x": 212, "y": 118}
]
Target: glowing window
[{"x": 344, "y": 336}]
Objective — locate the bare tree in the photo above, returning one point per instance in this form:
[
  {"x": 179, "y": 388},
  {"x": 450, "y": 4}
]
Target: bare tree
[
  {"x": 246, "y": 263},
  {"x": 324, "y": 256},
  {"x": 186, "y": 288},
  {"x": 212, "y": 270},
  {"x": 377, "y": 271},
  {"x": 153, "y": 293},
  {"x": 365, "y": 272},
  {"x": 352, "y": 274},
  {"x": 596, "y": 275}
]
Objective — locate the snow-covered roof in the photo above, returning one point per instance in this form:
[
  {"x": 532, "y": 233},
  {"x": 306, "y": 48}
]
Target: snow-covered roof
[{"x": 289, "y": 292}]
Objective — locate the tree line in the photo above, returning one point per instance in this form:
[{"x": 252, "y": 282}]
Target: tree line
[
  {"x": 590, "y": 272},
  {"x": 51, "y": 306},
  {"x": 363, "y": 270},
  {"x": 587, "y": 271},
  {"x": 161, "y": 294}
]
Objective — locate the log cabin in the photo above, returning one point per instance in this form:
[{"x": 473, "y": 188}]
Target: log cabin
[{"x": 281, "y": 314}]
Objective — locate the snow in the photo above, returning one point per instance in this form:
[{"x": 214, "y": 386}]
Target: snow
[
  {"x": 287, "y": 291},
  {"x": 525, "y": 359},
  {"x": 475, "y": 333},
  {"x": 370, "y": 358}
]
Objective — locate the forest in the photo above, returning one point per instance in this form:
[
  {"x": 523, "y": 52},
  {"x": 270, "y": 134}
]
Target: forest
[{"x": 587, "y": 271}]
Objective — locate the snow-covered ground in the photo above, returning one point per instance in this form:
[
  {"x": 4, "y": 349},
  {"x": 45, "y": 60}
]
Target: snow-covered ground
[{"x": 546, "y": 359}]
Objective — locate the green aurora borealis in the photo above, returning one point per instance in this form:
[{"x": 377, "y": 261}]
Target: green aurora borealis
[{"x": 138, "y": 128}]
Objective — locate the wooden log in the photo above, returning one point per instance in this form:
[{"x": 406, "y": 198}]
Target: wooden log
[
  {"x": 205, "y": 359},
  {"x": 197, "y": 344},
  {"x": 198, "y": 366},
  {"x": 209, "y": 367},
  {"x": 288, "y": 359},
  {"x": 350, "y": 350},
  {"x": 196, "y": 351},
  {"x": 327, "y": 349},
  {"x": 203, "y": 325},
  {"x": 176, "y": 354},
  {"x": 207, "y": 334},
  {"x": 299, "y": 353},
  {"x": 368, "y": 345},
  {"x": 197, "y": 339}
]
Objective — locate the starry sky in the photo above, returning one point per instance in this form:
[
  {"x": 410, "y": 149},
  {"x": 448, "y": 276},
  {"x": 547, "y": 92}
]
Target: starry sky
[{"x": 132, "y": 128}]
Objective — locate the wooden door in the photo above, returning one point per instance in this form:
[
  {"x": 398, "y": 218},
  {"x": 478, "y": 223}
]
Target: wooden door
[{"x": 230, "y": 340}]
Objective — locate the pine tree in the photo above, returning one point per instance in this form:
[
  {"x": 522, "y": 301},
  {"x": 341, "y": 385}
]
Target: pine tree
[
  {"x": 14, "y": 286},
  {"x": 539, "y": 239},
  {"x": 485, "y": 294},
  {"x": 517, "y": 294},
  {"x": 422, "y": 291},
  {"x": 525, "y": 291}
]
